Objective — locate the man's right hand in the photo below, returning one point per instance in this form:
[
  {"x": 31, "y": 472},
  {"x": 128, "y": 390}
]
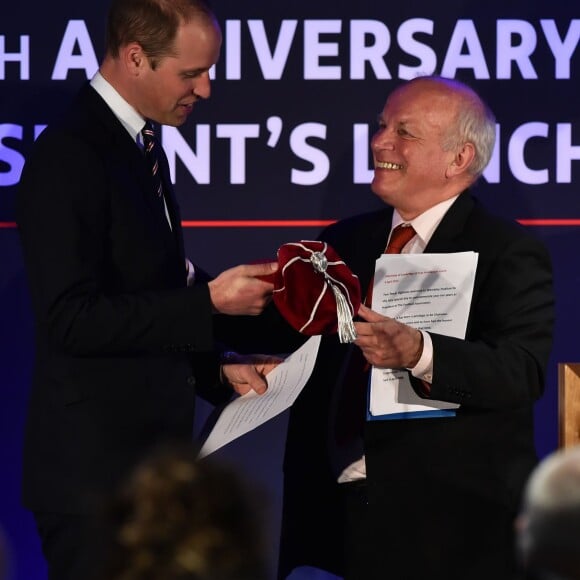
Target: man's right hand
[{"x": 240, "y": 291}]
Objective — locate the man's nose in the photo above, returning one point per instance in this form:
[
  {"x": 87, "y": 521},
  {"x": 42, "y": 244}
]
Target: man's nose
[
  {"x": 202, "y": 86},
  {"x": 383, "y": 139}
]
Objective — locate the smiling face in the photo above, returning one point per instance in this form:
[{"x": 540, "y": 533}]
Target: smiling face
[
  {"x": 166, "y": 89},
  {"x": 412, "y": 170}
]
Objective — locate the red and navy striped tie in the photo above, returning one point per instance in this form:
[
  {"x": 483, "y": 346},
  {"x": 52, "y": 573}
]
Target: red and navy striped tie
[{"x": 151, "y": 147}]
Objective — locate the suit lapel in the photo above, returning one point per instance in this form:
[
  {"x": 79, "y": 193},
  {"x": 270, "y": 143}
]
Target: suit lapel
[
  {"x": 172, "y": 207},
  {"x": 129, "y": 165},
  {"x": 451, "y": 226},
  {"x": 370, "y": 245},
  {"x": 124, "y": 154}
]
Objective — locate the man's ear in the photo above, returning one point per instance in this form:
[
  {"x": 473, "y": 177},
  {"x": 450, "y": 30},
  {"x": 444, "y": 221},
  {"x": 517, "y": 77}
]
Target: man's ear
[
  {"x": 134, "y": 58},
  {"x": 462, "y": 161}
]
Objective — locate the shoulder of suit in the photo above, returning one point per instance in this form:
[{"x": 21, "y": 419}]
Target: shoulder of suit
[
  {"x": 496, "y": 230},
  {"x": 368, "y": 221}
]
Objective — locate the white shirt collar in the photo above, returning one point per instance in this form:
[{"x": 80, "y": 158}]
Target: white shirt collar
[
  {"x": 426, "y": 223},
  {"x": 127, "y": 115}
]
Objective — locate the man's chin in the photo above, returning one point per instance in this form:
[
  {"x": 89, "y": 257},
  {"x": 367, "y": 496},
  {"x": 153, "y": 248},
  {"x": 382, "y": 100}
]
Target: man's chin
[
  {"x": 176, "y": 120},
  {"x": 381, "y": 193}
]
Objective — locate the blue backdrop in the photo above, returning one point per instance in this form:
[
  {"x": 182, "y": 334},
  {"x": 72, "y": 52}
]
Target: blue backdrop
[{"x": 282, "y": 148}]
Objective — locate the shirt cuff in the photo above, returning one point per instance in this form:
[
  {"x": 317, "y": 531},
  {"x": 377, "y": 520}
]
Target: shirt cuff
[
  {"x": 190, "y": 269},
  {"x": 424, "y": 368}
]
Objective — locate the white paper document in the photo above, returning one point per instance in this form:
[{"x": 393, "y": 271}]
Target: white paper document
[
  {"x": 249, "y": 411},
  {"x": 431, "y": 292}
]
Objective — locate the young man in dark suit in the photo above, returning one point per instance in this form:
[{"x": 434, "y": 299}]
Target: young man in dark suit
[{"x": 124, "y": 331}]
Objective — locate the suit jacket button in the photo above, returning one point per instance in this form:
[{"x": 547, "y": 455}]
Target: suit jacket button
[{"x": 191, "y": 381}]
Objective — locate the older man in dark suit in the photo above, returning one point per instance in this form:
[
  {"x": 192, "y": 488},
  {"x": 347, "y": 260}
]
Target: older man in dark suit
[
  {"x": 424, "y": 497},
  {"x": 124, "y": 336},
  {"x": 428, "y": 497}
]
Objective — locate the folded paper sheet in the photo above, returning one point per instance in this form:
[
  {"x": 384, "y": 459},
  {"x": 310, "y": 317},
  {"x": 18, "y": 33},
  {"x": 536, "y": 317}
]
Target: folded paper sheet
[
  {"x": 245, "y": 413},
  {"x": 431, "y": 292}
]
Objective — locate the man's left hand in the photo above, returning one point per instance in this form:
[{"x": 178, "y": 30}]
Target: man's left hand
[
  {"x": 386, "y": 342},
  {"x": 247, "y": 373}
]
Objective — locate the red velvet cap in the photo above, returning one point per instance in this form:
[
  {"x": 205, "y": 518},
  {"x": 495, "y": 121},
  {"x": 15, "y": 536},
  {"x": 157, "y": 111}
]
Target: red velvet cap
[{"x": 315, "y": 290}]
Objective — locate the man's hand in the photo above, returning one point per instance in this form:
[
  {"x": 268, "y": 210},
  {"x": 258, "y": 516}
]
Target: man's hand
[
  {"x": 240, "y": 291},
  {"x": 247, "y": 373},
  {"x": 387, "y": 343}
]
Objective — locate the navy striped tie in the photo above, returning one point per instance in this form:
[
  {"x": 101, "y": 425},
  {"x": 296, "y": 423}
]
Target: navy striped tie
[{"x": 151, "y": 147}]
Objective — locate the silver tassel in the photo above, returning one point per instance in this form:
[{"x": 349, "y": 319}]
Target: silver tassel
[{"x": 346, "y": 330}]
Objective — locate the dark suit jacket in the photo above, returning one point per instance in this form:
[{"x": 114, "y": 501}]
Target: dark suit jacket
[
  {"x": 442, "y": 492},
  {"x": 117, "y": 330}
]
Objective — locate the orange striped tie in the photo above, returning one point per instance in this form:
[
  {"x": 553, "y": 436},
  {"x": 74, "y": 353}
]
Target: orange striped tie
[{"x": 400, "y": 236}]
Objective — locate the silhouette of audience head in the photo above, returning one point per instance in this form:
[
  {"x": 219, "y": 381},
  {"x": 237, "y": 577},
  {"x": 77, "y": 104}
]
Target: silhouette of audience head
[
  {"x": 182, "y": 518},
  {"x": 549, "y": 523}
]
